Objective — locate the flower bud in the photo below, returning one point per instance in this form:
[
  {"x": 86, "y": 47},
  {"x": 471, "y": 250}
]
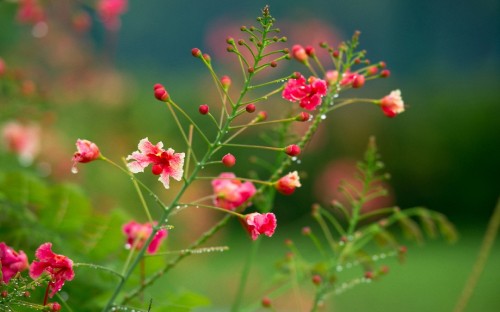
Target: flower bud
[
  {"x": 261, "y": 116},
  {"x": 207, "y": 57},
  {"x": 203, "y": 109},
  {"x": 358, "y": 81},
  {"x": 316, "y": 279},
  {"x": 385, "y": 73},
  {"x": 55, "y": 307},
  {"x": 310, "y": 51},
  {"x": 273, "y": 64},
  {"x": 226, "y": 82},
  {"x": 161, "y": 94},
  {"x": 230, "y": 40},
  {"x": 266, "y": 302},
  {"x": 382, "y": 65},
  {"x": 250, "y": 108},
  {"x": 372, "y": 70},
  {"x": 299, "y": 53},
  {"x": 196, "y": 52},
  {"x": 2, "y": 67},
  {"x": 369, "y": 274},
  {"x": 228, "y": 160},
  {"x": 292, "y": 150},
  {"x": 303, "y": 116},
  {"x": 157, "y": 86},
  {"x": 306, "y": 230}
]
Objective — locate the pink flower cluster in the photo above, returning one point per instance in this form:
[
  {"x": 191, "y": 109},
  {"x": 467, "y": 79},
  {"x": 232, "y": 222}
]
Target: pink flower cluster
[
  {"x": 308, "y": 93},
  {"x": 11, "y": 262},
  {"x": 59, "y": 267},
  {"x": 137, "y": 235},
  {"x": 230, "y": 192},
  {"x": 165, "y": 163},
  {"x": 352, "y": 79}
]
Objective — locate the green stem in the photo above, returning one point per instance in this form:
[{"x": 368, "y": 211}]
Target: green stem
[
  {"x": 98, "y": 267},
  {"x": 482, "y": 257},
  {"x": 244, "y": 276},
  {"x": 264, "y": 123}
]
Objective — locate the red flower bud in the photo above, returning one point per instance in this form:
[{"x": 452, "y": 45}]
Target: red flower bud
[
  {"x": 228, "y": 160},
  {"x": 196, "y": 52},
  {"x": 250, "y": 108},
  {"x": 303, "y": 116},
  {"x": 385, "y": 73},
  {"x": 203, "y": 109},
  {"x": 55, "y": 307},
  {"x": 299, "y": 53},
  {"x": 207, "y": 57},
  {"x": 316, "y": 279},
  {"x": 225, "y": 81},
  {"x": 262, "y": 116},
  {"x": 292, "y": 150},
  {"x": 358, "y": 81},
  {"x": 266, "y": 302},
  {"x": 306, "y": 230},
  {"x": 161, "y": 94},
  {"x": 310, "y": 51},
  {"x": 369, "y": 275}
]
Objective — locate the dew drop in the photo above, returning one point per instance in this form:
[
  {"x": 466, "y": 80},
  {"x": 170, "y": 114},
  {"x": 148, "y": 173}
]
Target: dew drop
[
  {"x": 294, "y": 158},
  {"x": 128, "y": 246},
  {"x": 339, "y": 268},
  {"x": 74, "y": 170},
  {"x": 298, "y": 161},
  {"x": 323, "y": 116}
]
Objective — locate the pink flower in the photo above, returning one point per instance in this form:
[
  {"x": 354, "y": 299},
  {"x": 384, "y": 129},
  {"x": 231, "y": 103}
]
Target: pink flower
[
  {"x": 30, "y": 11},
  {"x": 12, "y": 262},
  {"x": 23, "y": 140},
  {"x": 166, "y": 163},
  {"x": 392, "y": 104},
  {"x": 287, "y": 184},
  {"x": 257, "y": 224},
  {"x": 137, "y": 234},
  {"x": 87, "y": 151},
  {"x": 299, "y": 53},
  {"x": 309, "y": 95},
  {"x": 230, "y": 192},
  {"x": 59, "y": 267},
  {"x": 110, "y": 11}
]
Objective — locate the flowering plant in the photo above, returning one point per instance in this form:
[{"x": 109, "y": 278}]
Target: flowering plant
[{"x": 297, "y": 98}]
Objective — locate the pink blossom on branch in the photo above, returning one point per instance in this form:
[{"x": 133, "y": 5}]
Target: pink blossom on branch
[
  {"x": 59, "y": 267},
  {"x": 287, "y": 184},
  {"x": 230, "y": 192},
  {"x": 165, "y": 163},
  {"x": 257, "y": 223},
  {"x": 137, "y": 234},
  {"x": 392, "y": 104},
  {"x": 11, "y": 262},
  {"x": 308, "y": 93}
]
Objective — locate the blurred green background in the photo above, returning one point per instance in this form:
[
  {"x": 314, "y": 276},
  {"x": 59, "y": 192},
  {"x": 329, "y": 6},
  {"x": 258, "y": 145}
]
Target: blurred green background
[{"x": 443, "y": 152}]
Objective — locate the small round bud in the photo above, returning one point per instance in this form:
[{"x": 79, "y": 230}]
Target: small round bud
[
  {"x": 284, "y": 39},
  {"x": 292, "y": 150},
  {"x": 288, "y": 242},
  {"x": 230, "y": 40},
  {"x": 207, "y": 57},
  {"x": 225, "y": 82},
  {"x": 243, "y": 28},
  {"x": 262, "y": 116},
  {"x": 323, "y": 44},
  {"x": 275, "y": 39},
  {"x": 161, "y": 94},
  {"x": 203, "y": 109},
  {"x": 230, "y": 49},
  {"x": 273, "y": 64},
  {"x": 310, "y": 51},
  {"x": 299, "y": 53},
  {"x": 384, "y": 269},
  {"x": 381, "y": 65},
  {"x": 229, "y": 160},
  {"x": 315, "y": 209},
  {"x": 27, "y": 294},
  {"x": 196, "y": 52},
  {"x": 266, "y": 302},
  {"x": 303, "y": 116},
  {"x": 385, "y": 73},
  {"x": 55, "y": 307},
  {"x": 250, "y": 108},
  {"x": 296, "y": 75},
  {"x": 336, "y": 53},
  {"x": 289, "y": 255},
  {"x": 286, "y": 50},
  {"x": 357, "y": 61},
  {"x": 358, "y": 81},
  {"x": 316, "y": 279},
  {"x": 372, "y": 70},
  {"x": 4, "y": 294},
  {"x": 251, "y": 70},
  {"x": 369, "y": 275},
  {"x": 241, "y": 42},
  {"x": 403, "y": 250},
  {"x": 252, "y": 28},
  {"x": 306, "y": 230}
]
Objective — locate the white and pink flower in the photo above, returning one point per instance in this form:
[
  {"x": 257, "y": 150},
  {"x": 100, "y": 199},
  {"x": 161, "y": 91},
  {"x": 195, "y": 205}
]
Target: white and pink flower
[
  {"x": 165, "y": 163},
  {"x": 287, "y": 184},
  {"x": 260, "y": 223},
  {"x": 392, "y": 104}
]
